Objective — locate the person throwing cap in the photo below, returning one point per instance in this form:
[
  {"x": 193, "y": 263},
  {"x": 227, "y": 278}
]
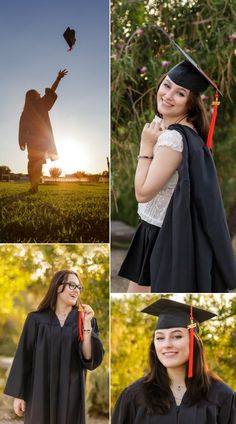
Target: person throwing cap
[{"x": 35, "y": 130}]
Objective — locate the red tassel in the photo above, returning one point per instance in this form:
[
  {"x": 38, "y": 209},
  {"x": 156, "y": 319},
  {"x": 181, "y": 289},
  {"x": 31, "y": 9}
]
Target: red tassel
[
  {"x": 213, "y": 121},
  {"x": 191, "y": 343},
  {"x": 80, "y": 324}
]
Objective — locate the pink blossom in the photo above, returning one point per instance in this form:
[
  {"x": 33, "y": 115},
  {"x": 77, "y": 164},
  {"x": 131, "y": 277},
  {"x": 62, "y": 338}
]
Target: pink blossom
[
  {"x": 204, "y": 97},
  {"x": 140, "y": 32},
  {"x": 232, "y": 37},
  {"x": 165, "y": 63},
  {"x": 119, "y": 46},
  {"x": 142, "y": 71}
]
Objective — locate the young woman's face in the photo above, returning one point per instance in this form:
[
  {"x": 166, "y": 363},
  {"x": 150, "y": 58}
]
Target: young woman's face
[
  {"x": 71, "y": 290},
  {"x": 172, "y": 99},
  {"x": 172, "y": 346}
]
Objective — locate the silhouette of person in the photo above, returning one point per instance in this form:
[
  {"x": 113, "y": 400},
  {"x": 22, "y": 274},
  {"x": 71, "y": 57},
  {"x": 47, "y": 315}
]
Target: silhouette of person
[{"x": 35, "y": 130}]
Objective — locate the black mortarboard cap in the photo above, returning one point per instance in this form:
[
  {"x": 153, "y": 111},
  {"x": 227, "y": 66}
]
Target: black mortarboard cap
[
  {"x": 189, "y": 75},
  {"x": 69, "y": 36},
  {"x": 175, "y": 314}
]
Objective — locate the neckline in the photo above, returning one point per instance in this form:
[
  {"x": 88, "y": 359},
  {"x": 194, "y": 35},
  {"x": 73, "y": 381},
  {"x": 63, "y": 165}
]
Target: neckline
[
  {"x": 182, "y": 401},
  {"x": 67, "y": 318}
]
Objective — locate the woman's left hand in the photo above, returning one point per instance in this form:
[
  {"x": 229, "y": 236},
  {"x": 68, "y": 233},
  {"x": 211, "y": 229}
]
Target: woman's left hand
[
  {"x": 88, "y": 314},
  {"x": 151, "y": 133}
]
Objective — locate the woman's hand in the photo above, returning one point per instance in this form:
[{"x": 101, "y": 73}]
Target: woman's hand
[
  {"x": 62, "y": 73},
  {"x": 88, "y": 315},
  {"x": 19, "y": 407},
  {"x": 150, "y": 133}
]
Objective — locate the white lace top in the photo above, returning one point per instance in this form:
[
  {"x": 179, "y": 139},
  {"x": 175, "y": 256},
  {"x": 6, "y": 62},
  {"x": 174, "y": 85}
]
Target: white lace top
[{"x": 154, "y": 211}]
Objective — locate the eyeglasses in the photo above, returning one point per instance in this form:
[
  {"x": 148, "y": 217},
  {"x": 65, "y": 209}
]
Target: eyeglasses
[{"x": 73, "y": 286}]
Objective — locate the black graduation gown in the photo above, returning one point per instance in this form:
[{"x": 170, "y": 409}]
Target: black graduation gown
[
  {"x": 193, "y": 250},
  {"x": 49, "y": 369},
  {"x": 219, "y": 408},
  {"x": 35, "y": 128}
]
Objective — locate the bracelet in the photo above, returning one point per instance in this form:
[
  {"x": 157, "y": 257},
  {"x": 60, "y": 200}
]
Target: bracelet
[
  {"x": 87, "y": 330},
  {"x": 144, "y": 157}
]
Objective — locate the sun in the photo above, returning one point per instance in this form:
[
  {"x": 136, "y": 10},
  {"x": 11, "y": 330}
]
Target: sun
[{"x": 73, "y": 156}]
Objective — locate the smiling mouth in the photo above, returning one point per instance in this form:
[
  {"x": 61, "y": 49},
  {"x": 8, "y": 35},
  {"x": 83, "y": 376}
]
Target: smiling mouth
[
  {"x": 169, "y": 354},
  {"x": 166, "y": 103}
]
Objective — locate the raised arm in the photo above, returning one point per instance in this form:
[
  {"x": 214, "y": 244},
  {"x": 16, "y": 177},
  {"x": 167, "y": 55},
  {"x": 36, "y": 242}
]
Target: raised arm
[
  {"x": 60, "y": 75},
  {"x": 154, "y": 171}
]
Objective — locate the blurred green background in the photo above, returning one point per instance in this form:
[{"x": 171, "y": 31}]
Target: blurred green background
[
  {"x": 132, "y": 332},
  {"x": 140, "y": 54},
  {"x": 25, "y": 273}
]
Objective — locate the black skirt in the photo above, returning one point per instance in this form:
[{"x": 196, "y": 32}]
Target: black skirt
[{"x": 136, "y": 266}]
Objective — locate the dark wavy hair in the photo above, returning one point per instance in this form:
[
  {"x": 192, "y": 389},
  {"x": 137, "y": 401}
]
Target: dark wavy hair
[
  {"x": 196, "y": 112},
  {"x": 50, "y": 299},
  {"x": 156, "y": 384}
]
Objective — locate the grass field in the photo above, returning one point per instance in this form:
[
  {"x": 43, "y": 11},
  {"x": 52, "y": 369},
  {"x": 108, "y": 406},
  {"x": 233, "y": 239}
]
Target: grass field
[{"x": 58, "y": 213}]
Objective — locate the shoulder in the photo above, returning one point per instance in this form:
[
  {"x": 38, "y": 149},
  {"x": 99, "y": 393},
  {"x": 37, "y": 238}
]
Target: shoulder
[
  {"x": 50, "y": 92},
  {"x": 190, "y": 137},
  {"x": 220, "y": 392},
  {"x": 50, "y": 95},
  {"x": 134, "y": 391},
  {"x": 172, "y": 139},
  {"x": 39, "y": 316}
]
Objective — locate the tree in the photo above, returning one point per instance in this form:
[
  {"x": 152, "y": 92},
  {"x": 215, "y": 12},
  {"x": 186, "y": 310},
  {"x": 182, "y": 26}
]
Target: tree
[
  {"x": 80, "y": 174},
  {"x": 4, "y": 170},
  {"x": 55, "y": 172},
  {"x": 141, "y": 53}
]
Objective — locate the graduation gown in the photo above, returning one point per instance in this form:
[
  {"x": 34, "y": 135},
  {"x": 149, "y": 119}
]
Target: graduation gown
[
  {"x": 49, "y": 369},
  {"x": 35, "y": 128},
  {"x": 193, "y": 251},
  {"x": 219, "y": 408}
]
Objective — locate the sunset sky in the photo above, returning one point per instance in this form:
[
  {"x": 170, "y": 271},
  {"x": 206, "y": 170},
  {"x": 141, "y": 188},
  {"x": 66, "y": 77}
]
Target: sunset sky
[{"x": 32, "y": 50}]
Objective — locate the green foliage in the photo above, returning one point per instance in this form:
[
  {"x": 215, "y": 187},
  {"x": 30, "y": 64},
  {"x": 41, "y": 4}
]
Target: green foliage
[
  {"x": 132, "y": 333},
  {"x": 65, "y": 213},
  {"x": 98, "y": 399},
  {"x": 202, "y": 28}
]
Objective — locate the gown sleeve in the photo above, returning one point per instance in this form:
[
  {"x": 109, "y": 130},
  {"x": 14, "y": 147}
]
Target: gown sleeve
[
  {"x": 124, "y": 411},
  {"x": 19, "y": 377},
  {"x": 97, "y": 349},
  {"x": 227, "y": 413},
  {"x": 22, "y": 135},
  {"x": 48, "y": 99}
]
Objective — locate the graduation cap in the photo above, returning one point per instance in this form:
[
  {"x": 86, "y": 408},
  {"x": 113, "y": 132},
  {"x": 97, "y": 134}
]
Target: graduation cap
[
  {"x": 69, "y": 36},
  {"x": 174, "y": 314},
  {"x": 189, "y": 75}
]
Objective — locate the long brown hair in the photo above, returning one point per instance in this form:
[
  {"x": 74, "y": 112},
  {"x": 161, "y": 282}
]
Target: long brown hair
[
  {"x": 157, "y": 393},
  {"x": 50, "y": 299},
  {"x": 196, "y": 112}
]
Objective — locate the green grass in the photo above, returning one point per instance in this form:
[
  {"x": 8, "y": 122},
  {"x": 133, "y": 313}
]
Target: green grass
[{"x": 62, "y": 213}]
